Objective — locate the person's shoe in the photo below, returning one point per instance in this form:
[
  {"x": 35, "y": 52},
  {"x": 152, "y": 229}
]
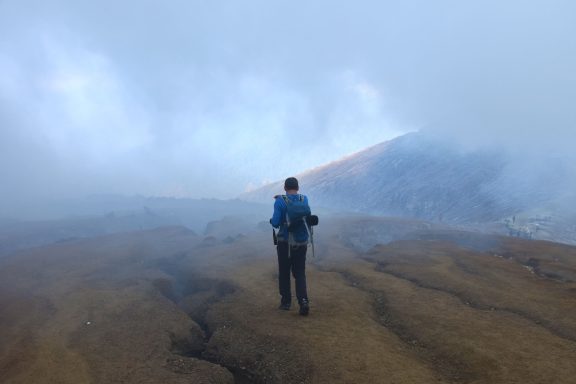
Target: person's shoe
[
  {"x": 284, "y": 306},
  {"x": 304, "y": 307}
]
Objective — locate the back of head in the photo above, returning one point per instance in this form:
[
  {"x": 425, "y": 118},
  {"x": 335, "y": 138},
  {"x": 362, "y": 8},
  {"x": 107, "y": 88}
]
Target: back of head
[{"x": 290, "y": 184}]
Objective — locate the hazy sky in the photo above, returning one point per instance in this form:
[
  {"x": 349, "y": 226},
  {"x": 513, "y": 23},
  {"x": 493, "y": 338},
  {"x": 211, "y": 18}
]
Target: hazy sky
[{"x": 209, "y": 98}]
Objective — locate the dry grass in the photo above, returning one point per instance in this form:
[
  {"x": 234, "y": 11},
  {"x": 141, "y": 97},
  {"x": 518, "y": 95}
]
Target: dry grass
[{"x": 164, "y": 306}]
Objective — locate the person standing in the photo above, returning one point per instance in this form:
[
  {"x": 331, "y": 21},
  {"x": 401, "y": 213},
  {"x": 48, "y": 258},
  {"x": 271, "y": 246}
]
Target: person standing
[{"x": 291, "y": 246}]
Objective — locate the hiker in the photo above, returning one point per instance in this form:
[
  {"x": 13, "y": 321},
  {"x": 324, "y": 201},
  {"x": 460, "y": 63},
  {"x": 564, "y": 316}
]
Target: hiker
[{"x": 291, "y": 245}]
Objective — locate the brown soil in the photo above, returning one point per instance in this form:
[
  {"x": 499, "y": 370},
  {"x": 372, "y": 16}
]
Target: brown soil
[{"x": 165, "y": 306}]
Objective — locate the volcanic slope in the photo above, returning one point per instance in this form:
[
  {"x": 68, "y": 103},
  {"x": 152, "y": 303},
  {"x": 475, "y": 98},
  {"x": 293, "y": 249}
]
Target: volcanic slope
[
  {"x": 428, "y": 305},
  {"x": 420, "y": 176}
]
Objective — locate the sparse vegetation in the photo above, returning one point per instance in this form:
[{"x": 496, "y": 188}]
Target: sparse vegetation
[{"x": 431, "y": 305}]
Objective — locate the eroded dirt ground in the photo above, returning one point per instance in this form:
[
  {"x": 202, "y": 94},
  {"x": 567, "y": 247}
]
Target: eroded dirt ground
[{"x": 168, "y": 306}]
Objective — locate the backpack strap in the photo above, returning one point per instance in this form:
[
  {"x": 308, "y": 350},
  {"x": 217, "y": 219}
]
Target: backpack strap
[
  {"x": 286, "y": 201},
  {"x": 290, "y": 238}
]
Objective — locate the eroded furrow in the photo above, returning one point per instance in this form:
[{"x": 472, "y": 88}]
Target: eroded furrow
[
  {"x": 196, "y": 295},
  {"x": 450, "y": 368},
  {"x": 543, "y": 323}
]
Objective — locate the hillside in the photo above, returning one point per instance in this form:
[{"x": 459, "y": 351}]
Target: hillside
[
  {"x": 102, "y": 215},
  {"x": 418, "y": 176},
  {"x": 427, "y": 305}
]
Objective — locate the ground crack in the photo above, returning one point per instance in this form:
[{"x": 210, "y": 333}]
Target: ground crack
[
  {"x": 447, "y": 367},
  {"x": 195, "y": 294},
  {"x": 563, "y": 334}
]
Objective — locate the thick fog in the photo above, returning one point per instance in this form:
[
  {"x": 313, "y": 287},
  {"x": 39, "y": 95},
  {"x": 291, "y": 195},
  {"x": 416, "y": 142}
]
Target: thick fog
[{"x": 211, "y": 98}]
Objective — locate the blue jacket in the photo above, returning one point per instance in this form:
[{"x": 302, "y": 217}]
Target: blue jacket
[{"x": 278, "y": 219}]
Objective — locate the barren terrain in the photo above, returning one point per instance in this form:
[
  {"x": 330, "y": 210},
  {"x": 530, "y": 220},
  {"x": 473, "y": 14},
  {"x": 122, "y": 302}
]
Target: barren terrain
[{"x": 392, "y": 301}]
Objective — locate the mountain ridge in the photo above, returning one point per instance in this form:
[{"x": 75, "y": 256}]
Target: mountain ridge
[{"x": 421, "y": 176}]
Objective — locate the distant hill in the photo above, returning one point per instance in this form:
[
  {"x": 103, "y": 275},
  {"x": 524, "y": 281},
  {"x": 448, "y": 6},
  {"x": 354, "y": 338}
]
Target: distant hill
[
  {"x": 107, "y": 214},
  {"x": 419, "y": 176}
]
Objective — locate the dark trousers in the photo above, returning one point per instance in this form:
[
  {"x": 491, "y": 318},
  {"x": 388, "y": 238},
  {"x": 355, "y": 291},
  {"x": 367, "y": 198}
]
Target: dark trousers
[{"x": 296, "y": 263}]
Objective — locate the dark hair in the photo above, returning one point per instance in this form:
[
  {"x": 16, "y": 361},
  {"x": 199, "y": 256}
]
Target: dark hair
[{"x": 291, "y": 183}]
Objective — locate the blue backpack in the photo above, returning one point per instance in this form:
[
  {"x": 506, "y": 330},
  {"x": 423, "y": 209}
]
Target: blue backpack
[{"x": 296, "y": 213}]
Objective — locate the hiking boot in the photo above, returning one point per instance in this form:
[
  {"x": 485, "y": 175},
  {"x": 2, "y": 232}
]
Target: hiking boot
[
  {"x": 304, "y": 307},
  {"x": 284, "y": 306}
]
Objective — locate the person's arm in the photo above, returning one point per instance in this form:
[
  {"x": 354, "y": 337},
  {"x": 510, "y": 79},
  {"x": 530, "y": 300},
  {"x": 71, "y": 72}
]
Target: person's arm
[{"x": 276, "y": 219}]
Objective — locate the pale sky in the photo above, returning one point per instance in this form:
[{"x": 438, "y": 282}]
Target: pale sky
[{"x": 209, "y": 98}]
